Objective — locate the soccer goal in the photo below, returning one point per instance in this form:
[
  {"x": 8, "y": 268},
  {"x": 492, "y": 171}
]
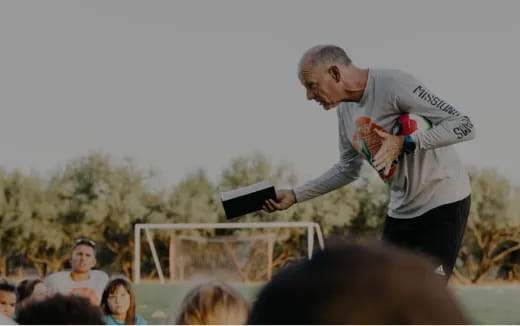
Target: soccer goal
[{"x": 231, "y": 257}]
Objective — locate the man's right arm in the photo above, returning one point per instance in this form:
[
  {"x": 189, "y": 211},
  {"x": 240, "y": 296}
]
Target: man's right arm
[{"x": 342, "y": 173}]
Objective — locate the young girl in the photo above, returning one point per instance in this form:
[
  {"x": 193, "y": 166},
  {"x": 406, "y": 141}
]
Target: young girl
[
  {"x": 118, "y": 304},
  {"x": 213, "y": 303}
]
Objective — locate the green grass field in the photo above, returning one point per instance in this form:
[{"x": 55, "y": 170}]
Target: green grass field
[{"x": 483, "y": 304}]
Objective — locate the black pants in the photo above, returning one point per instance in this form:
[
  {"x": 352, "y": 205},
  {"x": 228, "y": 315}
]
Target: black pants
[{"x": 437, "y": 233}]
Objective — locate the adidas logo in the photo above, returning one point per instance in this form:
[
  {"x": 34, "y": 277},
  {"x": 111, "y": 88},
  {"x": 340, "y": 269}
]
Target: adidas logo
[{"x": 440, "y": 271}]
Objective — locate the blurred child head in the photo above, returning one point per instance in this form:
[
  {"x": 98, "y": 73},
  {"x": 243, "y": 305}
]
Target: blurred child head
[
  {"x": 30, "y": 290},
  {"x": 7, "y": 298},
  {"x": 357, "y": 284},
  {"x": 213, "y": 303}
]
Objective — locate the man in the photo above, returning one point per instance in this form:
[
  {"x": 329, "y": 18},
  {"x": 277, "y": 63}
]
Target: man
[
  {"x": 7, "y": 299},
  {"x": 429, "y": 187},
  {"x": 81, "y": 280}
]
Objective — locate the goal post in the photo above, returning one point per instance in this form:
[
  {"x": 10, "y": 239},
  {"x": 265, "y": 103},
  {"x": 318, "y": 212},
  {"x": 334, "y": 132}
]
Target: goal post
[{"x": 311, "y": 228}]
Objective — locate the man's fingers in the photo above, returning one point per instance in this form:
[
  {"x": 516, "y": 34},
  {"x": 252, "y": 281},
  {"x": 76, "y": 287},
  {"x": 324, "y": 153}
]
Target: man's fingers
[
  {"x": 383, "y": 151},
  {"x": 274, "y": 204},
  {"x": 267, "y": 206},
  {"x": 383, "y": 161},
  {"x": 383, "y": 167},
  {"x": 380, "y": 157},
  {"x": 380, "y": 166},
  {"x": 270, "y": 206},
  {"x": 387, "y": 169}
]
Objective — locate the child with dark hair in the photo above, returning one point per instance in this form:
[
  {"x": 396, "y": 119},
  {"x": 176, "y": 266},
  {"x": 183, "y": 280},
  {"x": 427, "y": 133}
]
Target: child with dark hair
[
  {"x": 61, "y": 310},
  {"x": 119, "y": 304},
  {"x": 358, "y": 284},
  {"x": 7, "y": 298},
  {"x": 30, "y": 290}
]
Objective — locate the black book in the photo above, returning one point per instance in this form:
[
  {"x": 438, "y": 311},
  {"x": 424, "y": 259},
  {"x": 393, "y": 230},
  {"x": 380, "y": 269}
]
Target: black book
[{"x": 247, "y": 199}]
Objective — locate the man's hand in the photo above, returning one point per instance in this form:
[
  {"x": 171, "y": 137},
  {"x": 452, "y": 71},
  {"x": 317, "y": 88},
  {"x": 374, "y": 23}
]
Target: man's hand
[
  {"x": 285, "y": 198},
  {"x": 391, "y": 148}
]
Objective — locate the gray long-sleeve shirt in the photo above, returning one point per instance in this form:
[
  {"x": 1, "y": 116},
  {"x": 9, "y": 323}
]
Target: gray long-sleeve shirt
[{"x": 427, "y": 178}]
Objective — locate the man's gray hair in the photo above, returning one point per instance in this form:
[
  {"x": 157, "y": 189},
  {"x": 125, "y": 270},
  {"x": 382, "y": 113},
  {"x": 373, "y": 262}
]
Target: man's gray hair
[{"x": 321, "y": 55}]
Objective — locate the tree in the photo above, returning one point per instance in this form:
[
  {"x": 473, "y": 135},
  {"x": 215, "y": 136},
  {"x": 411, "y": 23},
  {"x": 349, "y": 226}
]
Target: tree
[
  {"x": 193, "y": 200},
  {"x": 45, "y": 242},
  {"x": 493, "y": 231},
  {"x": 103, "y": 201},
  {"x": 15, "y": 215}
]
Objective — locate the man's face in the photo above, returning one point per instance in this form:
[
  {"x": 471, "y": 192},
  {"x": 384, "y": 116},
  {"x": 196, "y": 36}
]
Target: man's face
[
  {"x": 83, "y": 259},
  {"x": 7, "y": 303},
  {"x": 320, "y": 86}
]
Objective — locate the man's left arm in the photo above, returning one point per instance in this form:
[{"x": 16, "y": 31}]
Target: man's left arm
[{"x": 449, "y": 125}]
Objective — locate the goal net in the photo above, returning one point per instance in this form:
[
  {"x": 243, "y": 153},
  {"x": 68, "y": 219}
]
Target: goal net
[
  {"x": 193, "y": 252},
  {"x": 228, "y": 258}
]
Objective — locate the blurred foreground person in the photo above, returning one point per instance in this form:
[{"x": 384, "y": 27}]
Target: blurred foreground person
[
  {"x": 213, "y": 303},
  {"x": 357, "y": 284},
  {"x": 61, "y": 310}
]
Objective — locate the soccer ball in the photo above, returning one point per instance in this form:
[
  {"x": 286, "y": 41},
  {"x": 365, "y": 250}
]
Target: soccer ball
[
  {"x": 405, "y": 125},
  {"x": 409, "y": 123}
]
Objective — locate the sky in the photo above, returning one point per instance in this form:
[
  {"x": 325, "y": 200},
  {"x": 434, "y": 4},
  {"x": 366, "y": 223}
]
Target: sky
[{"x": 181, "y": 85}]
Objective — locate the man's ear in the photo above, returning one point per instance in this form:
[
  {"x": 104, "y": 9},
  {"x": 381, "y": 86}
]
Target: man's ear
[
  {"x": 335, "y": 73},
  {"x": 94, "y": 262}
]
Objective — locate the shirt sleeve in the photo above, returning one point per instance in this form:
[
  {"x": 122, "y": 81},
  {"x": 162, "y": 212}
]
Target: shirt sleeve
[
  {"x": 99, "y": 281},
  {"x": 449, "y": 125},
  {"x": 342, "y": 173},
  {"x": 49, "y": 282}
]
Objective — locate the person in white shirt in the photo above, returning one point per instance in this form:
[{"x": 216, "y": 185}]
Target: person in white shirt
[{"x": 81, "y": 280}]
